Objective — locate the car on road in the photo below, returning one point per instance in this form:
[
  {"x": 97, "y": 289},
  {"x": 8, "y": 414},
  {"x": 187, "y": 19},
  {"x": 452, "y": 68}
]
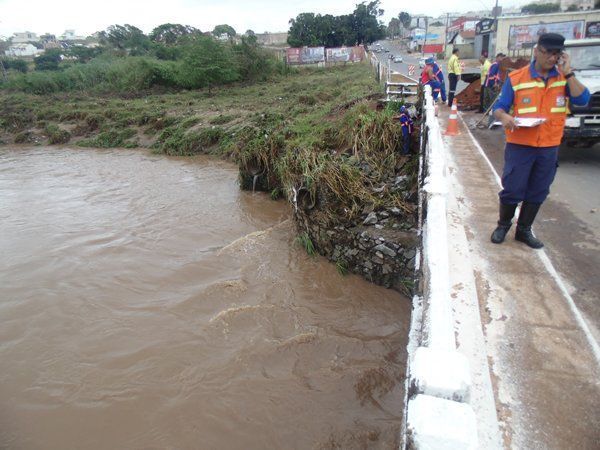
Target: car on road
[
  {"x": 582, "y": 128},
  {"x": 398, "y": 59}
]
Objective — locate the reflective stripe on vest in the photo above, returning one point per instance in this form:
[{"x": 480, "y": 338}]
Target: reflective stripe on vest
[
  {"x": 527, "y": 110},
  {"x": 558, "y": 83},
  {"x": 534, "y": 98},
  {"x": 529, "y": 84}
]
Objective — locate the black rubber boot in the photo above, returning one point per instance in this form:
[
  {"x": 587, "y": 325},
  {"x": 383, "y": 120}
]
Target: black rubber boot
[
  {"x": 526, "y": 218},
  {"x": 506, "y": 214}
]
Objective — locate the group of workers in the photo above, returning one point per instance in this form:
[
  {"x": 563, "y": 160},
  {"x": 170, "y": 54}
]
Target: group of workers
[
  {"x": 491, "y": 79},
  {"x": 541, "y": 90}
]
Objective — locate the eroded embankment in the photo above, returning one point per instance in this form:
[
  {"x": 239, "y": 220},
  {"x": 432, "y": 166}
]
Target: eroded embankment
[{"x": 317, "y": 137}]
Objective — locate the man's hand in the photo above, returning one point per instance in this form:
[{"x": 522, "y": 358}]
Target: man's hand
[
  {"x": 507, "y": 120},
  {"x": 564, "y": 63}
]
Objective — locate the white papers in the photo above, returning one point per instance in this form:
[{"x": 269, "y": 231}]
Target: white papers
[
  {"x": 529, "y": 122},
  {"x": 525, "y": 122}
]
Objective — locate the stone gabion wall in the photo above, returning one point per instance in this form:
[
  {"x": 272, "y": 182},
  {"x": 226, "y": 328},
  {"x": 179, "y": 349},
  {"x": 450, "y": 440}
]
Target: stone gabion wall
[{"x": 382, "y": 247}]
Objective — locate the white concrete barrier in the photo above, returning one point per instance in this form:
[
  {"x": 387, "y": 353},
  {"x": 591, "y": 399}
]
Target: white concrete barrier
[{"x": 438, "y": 413}]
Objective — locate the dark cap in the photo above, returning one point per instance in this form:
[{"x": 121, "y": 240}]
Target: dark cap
[
  {"x": 552, "y": 41},
  {"x": 500, "y": 55}
]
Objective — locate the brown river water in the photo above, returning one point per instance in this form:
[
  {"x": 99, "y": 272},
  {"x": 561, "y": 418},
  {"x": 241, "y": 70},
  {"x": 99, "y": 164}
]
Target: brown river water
[{"x": 147, "y": 303}]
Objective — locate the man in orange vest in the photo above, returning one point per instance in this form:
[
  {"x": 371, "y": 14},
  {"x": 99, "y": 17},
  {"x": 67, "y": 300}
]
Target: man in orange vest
[{"x": 540, "y": 90}]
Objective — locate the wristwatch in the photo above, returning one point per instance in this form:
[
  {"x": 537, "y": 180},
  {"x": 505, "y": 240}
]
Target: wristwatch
[{"x": 569, "y": 75}]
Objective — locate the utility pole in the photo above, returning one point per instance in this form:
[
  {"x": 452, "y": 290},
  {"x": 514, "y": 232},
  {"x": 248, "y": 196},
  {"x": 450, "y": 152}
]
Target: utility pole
[
  {"x": 495, "y": 25},
  {"x": 426, "y": 31},
  {"x": 446, "y": 33}
]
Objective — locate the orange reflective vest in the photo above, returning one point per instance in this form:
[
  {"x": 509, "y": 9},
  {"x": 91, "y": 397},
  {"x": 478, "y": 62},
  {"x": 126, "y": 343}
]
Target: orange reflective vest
[{"x": 534, "y": 98}]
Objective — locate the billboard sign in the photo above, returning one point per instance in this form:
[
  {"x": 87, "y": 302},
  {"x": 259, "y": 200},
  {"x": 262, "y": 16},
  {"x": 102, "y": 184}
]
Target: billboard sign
[
  {"x": 592, "y": 30},
  {"x": 485, "y": 26},
  {"x": 345, "y": 54},
  {"x": 305, "y": 55},
  {"x": 525, "y": 36}
]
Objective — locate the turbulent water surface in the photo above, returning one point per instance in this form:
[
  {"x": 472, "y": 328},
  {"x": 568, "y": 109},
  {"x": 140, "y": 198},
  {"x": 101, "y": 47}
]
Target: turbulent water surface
[{"x": 145, "y": 302}]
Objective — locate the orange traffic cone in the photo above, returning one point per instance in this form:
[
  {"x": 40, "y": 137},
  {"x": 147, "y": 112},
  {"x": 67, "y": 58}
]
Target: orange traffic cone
[{"x": 452, "y": 129}]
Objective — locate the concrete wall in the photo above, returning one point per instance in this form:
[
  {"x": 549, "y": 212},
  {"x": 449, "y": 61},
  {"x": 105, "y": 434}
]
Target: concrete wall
[
  {"x": 505, "y": 22},
  {"x": 272, "y": 38}
]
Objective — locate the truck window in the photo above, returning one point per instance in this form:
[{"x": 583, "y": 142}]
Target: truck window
[{"x": 585, "y": 57}]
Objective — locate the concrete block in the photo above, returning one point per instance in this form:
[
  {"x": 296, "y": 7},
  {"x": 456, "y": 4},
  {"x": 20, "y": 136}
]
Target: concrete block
[
  {"x": 439, "y": 424},
  {"x": 441, "y": 373}
]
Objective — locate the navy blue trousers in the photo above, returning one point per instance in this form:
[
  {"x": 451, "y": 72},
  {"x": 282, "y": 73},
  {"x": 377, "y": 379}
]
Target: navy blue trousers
[
  {"x": 405, "y": 143},
  {"x": 528, "y": 173}
]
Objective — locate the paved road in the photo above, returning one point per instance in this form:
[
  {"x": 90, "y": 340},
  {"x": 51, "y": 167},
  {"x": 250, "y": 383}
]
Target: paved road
[
  {"x": 413, "y": 59},
  {"x": 569, "y": 221},
  {"x": 544, "y": 363}
]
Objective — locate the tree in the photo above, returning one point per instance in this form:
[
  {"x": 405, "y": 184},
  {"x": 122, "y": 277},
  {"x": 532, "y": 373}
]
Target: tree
[
  {"x": 20, "y": 65},
  {"x": 224, "y": 29},
  {"x": 250, "y": 37},
  {"x": 365, "y": 24},
  {"x": 437, "y": 23},
  {"x": 303, "y": 31},
  {"x": 405, "y": 19},
  {"x": 126, "y": 38},
  {"x": 172, "y": 33},
  {"x": 394, "y": 27},
  {"x": 49, "y": 60},
  {"x": 83, "y": 54},
  {"x": 362, "y": 26},
  {"x": 207, "y": 62},
  {"x": 540, "y": 8}
]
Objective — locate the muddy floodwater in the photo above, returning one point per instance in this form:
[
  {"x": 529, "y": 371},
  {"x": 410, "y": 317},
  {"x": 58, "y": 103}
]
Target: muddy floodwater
[{"x": 147, "y": 303}]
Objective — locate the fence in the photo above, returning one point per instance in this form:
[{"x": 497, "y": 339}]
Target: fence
[{"x": 401, "y": 87}]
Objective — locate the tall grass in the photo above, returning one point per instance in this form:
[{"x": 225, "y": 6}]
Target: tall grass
[{"x": 204, "y": 63}]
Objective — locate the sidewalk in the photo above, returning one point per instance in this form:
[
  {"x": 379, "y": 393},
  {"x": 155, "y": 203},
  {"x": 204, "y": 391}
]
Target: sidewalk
[{"x": 516, "y": 322}]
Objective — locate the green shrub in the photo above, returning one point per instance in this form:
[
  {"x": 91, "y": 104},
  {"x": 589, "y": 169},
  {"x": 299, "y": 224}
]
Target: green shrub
[
  {"x": 108, "y": 139},
  {"x": 57, "y": 135}
]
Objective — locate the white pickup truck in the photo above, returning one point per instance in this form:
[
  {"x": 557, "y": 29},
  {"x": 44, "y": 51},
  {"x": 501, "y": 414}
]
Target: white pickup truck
[{"x": 583, "y": 122}]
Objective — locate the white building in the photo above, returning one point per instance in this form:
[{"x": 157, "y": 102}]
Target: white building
[
  {"x": 17, "y": 50},
  {"x": 581, "y": 5},
  {"x": 24, "y": 37},
  {"x": 69, "y": 35}
]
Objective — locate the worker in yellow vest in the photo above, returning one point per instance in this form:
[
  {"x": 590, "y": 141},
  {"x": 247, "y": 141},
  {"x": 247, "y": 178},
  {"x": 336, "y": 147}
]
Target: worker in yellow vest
[
  {"x": 454, "y": 72},
  {"x": 541, "y": 92}
]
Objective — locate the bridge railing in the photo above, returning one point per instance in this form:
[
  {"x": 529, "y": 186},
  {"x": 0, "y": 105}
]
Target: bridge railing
[{"x": 438, "y": 413}]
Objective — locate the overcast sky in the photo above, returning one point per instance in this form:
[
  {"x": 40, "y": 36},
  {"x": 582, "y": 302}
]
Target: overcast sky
[{"x": 86, "y": 17}]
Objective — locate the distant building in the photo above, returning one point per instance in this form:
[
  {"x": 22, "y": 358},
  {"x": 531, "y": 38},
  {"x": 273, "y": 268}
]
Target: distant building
[
  {"x": 69, "y": 35},
  {"x": 21, "y": 50},
  {"x": 24, "y": 37},
  {"x": 581, "y": 5}
]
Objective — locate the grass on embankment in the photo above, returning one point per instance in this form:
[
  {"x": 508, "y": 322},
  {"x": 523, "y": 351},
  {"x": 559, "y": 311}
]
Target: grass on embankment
[
  {"x": 308, "y": 130},
  {"x": 187, "y": 122}
]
